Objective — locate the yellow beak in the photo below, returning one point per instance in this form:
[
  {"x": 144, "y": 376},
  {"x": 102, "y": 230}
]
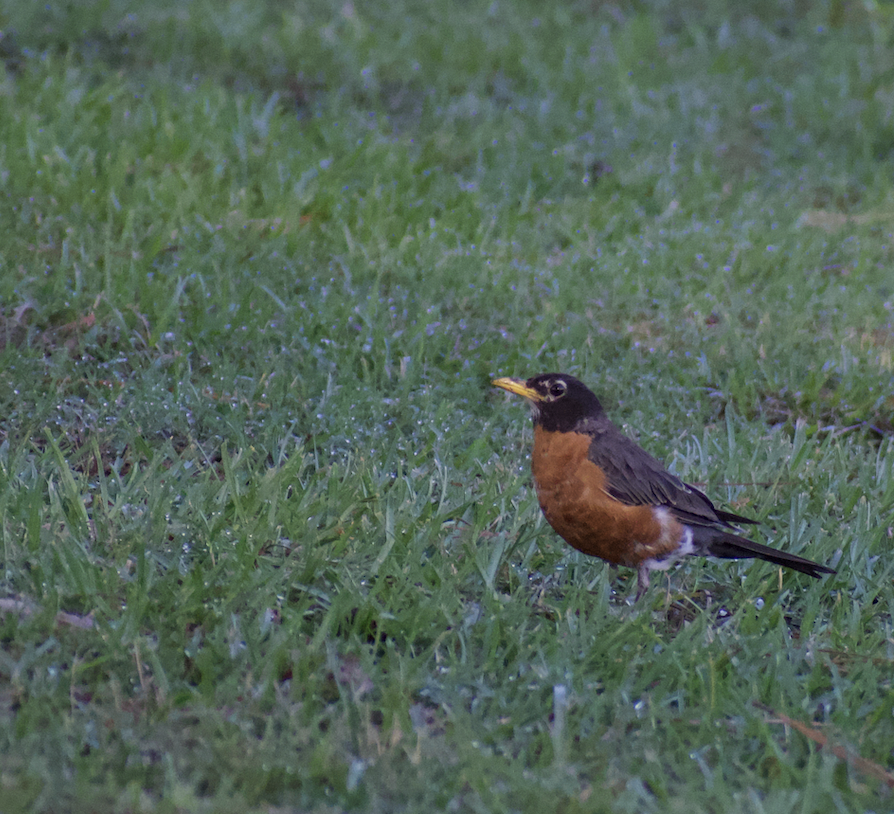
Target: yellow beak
[{"x": 518, "y": 387}]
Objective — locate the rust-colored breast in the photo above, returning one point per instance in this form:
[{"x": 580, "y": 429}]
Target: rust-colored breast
[{"x": 573, "y": 495}]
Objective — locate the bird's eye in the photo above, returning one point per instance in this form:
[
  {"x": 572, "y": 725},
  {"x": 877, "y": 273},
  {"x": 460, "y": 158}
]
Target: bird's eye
[{"x": 557, "y": 389}]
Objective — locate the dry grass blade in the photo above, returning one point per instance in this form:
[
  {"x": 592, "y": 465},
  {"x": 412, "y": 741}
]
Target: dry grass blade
[
  {"x": 868, "y": 767},
  {"x": 25, "y": 608}
]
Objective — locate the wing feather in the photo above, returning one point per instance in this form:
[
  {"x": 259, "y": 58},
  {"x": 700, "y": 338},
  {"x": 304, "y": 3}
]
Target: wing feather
[{"x": 637, "y": 479}]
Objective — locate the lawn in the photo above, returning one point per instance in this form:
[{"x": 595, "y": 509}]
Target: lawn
[{"x": 269, "y": 538}]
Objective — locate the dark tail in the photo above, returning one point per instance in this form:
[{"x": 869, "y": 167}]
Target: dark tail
[{"x": 716, "y": 543}]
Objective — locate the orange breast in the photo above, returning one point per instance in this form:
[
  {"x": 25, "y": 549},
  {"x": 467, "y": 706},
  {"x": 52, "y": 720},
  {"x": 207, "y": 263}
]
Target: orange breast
[{"x": 573, "y": 495}]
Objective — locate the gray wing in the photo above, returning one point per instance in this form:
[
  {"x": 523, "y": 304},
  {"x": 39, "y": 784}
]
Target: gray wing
[{"x": 635, "y": 478}]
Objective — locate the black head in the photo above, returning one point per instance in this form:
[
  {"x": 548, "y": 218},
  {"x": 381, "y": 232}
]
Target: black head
[{"x": 559, "y": 402}]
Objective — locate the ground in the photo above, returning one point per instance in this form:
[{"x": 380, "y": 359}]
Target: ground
[{"x": 269, "y": 539}]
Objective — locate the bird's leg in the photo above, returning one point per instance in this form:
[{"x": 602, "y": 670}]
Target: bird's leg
[{"x": 642, "y": 581}]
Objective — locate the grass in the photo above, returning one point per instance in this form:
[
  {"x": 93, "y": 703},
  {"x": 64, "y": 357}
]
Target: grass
[{"x": 269, "y": 541}]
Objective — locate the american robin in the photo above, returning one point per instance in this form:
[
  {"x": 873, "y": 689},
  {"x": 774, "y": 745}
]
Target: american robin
[{"x": 609, "y": 498}]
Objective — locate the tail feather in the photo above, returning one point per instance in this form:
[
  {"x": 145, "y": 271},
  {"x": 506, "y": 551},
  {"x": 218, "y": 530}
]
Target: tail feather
[{"x": 716, "y": 543}]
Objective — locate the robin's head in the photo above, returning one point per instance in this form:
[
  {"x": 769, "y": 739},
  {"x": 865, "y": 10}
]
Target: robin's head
[{"x": 559, "y": 402}]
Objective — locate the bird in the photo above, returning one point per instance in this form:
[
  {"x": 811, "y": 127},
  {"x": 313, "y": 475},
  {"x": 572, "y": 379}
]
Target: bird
[{"x": 609, "y": 498}]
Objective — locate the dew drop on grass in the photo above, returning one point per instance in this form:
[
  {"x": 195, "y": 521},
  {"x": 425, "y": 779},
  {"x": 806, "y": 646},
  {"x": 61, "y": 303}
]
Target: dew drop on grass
[{"x": 355, "y": 774}]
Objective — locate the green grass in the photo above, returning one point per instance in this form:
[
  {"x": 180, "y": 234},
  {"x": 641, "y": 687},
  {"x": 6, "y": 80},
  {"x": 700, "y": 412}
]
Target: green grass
[{"x": 259, "y": 261}]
